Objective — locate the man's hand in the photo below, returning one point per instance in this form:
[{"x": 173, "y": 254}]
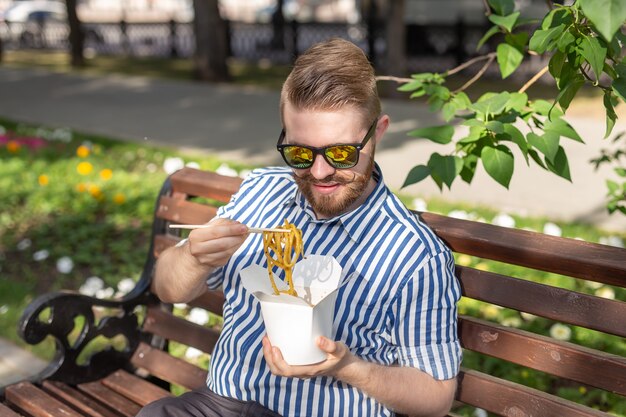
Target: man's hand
[
  {"x": 212, "y": 246},
  {"x": 339, "y": 360}
]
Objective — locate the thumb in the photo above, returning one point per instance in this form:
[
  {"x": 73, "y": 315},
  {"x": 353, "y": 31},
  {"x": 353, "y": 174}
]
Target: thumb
[{"x": 327, "y": 345}]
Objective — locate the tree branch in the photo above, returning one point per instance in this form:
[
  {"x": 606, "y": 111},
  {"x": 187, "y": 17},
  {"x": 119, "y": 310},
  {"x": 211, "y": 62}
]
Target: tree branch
[
  {"x": 478, "y": 74},
  {"x": 533, "y": 80},
  {"x": 487, "y": 8},
  {"x": 490, "y": 56},
  {"x": 392, "y": 78}
]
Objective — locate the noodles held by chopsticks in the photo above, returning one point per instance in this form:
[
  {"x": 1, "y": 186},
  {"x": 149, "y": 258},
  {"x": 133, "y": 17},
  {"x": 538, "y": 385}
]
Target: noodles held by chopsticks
[{"x": 287, "y": 247}]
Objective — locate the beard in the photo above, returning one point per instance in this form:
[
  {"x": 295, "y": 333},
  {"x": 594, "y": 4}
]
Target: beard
[{"x": 352, "y": 186}]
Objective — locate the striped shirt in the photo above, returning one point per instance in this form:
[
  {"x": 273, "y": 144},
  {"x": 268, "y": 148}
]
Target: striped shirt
[{"x": 397, "y": 303}]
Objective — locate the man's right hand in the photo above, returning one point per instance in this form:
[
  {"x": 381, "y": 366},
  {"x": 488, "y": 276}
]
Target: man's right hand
[{"x": 212, "y": 246}]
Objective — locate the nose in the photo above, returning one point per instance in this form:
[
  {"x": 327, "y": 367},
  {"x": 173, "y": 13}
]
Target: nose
[{"x": 320, "y": 168}]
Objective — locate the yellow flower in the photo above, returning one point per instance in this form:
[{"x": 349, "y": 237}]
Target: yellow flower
[
  {"x": 81, "y": 187},
  {"x": 119, "y": 198},
  {"x": 490, "y": 312},
  {"x": 84, "y": 168},
  {"x": 13, "y": 146},
  {"x": 464, "y": 260},
  {"x": 106, "y": 174},
  {"x": 82, "y": 151},
  {"x": 582, "y": 390},
  {"x": 482, "y": 266},
  {"x": 43, "y": 180},
  {"x": 95, "y": 191},
  {"x": 525, "y": 373}
]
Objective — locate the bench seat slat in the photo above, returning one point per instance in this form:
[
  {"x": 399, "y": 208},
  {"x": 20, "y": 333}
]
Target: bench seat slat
[
  {"x": 134, "y": 388},
  {"x": 562, "y": 359},
  {"x": 196, "y": 182},
  {"x": 37, "y": 403},
  {"x": 164, "y": 366},
  {"x": 507, "y": 398},
  {"x": 77, "y": 399},
  {"x": 168, "y": 326},
  {"x": 7, "y": 412},
  {"x": 162, "y": 242},
  {"x": 183, "y": 211},
  {"x": 569, "y": 257},
  {"x": 117, "y": 402},
  {"x": 551, "y": 302}
]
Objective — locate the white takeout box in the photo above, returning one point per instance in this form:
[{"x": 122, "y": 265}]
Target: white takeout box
[{"x": 294, "y": 323}]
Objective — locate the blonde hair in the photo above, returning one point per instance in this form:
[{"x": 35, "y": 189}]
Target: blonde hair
[{"x": 331, "y": 75}]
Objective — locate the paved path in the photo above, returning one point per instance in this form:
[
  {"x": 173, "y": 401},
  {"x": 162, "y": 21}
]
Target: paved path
[
  {"x": 17, "y": 364},
  {"x": 242, "y": 123}
]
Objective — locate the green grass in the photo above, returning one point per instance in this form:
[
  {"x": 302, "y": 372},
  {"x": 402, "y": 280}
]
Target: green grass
[{"x": 102, "y": 223}]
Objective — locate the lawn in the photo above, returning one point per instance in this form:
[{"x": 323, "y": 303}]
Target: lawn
[{"x": 77, "y": 210}]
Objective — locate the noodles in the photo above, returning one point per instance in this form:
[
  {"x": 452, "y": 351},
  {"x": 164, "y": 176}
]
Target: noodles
[{"x": 282, "y": 244}]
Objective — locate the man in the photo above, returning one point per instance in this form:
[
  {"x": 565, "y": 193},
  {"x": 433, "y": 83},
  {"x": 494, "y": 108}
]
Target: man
[{"x": 395, "y": 346}]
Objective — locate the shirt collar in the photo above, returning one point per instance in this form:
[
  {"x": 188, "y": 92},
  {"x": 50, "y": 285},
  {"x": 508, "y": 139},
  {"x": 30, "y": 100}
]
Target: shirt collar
[{"x": 354, "y": 222}]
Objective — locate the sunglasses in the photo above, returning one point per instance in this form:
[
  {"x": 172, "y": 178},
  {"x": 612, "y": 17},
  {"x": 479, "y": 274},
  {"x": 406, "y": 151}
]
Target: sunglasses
[{"x": 340, "y": 156}]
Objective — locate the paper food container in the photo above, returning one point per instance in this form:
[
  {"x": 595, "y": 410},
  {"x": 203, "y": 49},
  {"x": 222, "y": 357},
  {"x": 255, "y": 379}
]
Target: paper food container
[{"x": 294, "y": 323}]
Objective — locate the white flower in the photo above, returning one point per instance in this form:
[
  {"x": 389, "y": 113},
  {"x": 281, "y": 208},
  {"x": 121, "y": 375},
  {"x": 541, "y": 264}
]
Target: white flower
[
  {"x": 151, "y": 168},
  {"x": 560, "y": 331},
  {"x": 224, "y": 169},
  {"x": 171, "y": 165},
  {"x": 4, "y": 308},
  {"x": 65, "y": 265},
  {"x": 105, "y": 293},
  {"x": 504, "y": 220},
  {"x": 528, "y": 316},
  {"x": 612, "y": 241},
  {"x": 180, "y": 306},
  {"x": 40, "y": 255},
  {"x": 459, "y": 214},
  {"x": 419, "y": 204},
  {"x": 126, "y": 285},
  {"x": 91, "y": 286},
  {"x": 243, "y": 174},
  {"x": 193, "y": 353},
  {"x": 198, "y": 316},
  {"x": 24, "y": 244},
  {"x": 511, "y": 322},
  {"x": 552, "y": 229},
  {"x": 479, "y": 412},
  {"x": 62, "y": 134},
  {"x": 193, "y": 165},
  {"x": 606, "y": 292}
]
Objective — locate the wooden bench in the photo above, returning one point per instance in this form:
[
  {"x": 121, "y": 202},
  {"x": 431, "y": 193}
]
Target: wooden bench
[{"x": 118, "y": 382}]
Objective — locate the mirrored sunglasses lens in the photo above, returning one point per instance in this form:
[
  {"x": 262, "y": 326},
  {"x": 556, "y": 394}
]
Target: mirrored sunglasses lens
[
  {"x": 298, "y": 157},
  {"x": 344, "y": 156}
]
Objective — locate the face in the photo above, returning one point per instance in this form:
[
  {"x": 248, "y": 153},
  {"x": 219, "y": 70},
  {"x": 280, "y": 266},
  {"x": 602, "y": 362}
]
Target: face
[{"x": 328, "y": 190}]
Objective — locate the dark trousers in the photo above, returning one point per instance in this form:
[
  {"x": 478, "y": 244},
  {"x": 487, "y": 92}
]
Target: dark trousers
[{"x": 204, "y": 403}]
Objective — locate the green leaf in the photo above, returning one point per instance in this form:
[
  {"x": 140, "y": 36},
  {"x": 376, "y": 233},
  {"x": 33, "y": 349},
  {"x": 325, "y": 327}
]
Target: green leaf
[
  {"x": 439, "y": 134},
  {"x": 562, "y": 128},
  {"x": 619, "y": 88},
  {"x": 418, "y": 93},
  {"x": 518, "y": 40},
  {"x": 492, "y": 31},
  {"x": 566, "y": 40},
  {"x": 417, "y": 174},
  {"x": 533, "y": 154},
  {"x": 606, "y": 15},
  {"x": 542, "y": 39},
  {"x": 560, "y": 166},
  {"x": 495, "y": 126},
  {"x": 411, "y": 86},
  {"x": 517, "y": 101},
  {"x": 556, "y": 17},
  {"x": 502, "y": 7},
  {"x": 491, "y": 103},
  {"x": 509, "y": 58},
  {"x": 594, "y": 53},
  {"x": 611, "y": 117},
  {"x": 507, "y": 22},
  {"x": 518, "y": 138},
  {"x": 544, "y": 108},
  {"x": 498, "y": 162},
  {"x": 547, "y": 144},
  {"x": 469, "y": 168},
  {"x": 448, "y": 111},
  {"x": 444, "y": 168},
  {"x": 555, "y": 66},
  {"x": 568, "y": 92}
]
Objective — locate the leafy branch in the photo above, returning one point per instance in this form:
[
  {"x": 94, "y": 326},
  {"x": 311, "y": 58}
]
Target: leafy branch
[{"x": 583, "y": 44}]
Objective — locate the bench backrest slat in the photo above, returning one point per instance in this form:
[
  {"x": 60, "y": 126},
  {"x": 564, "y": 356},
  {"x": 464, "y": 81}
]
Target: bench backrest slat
[
  {"x": 212, "y": 301},
  {"x": 168, "y": 326},
  {"x": 510, "y": 399},
  {"x": 562, "y": 359},
  {"x": 569, "y": 257},
  {"x": 543, "y": 300},
  {"x": 182, "y": 211},
  {"x": 170, "y": 369}
]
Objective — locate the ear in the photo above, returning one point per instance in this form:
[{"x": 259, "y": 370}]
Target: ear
[{"x": 381, "y": 128}]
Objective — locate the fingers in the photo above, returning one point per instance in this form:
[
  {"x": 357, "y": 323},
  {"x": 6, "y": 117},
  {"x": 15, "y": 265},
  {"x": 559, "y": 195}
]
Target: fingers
[
  {"x": 327, "y": 345},
  {"x": 215, "y": 244}
]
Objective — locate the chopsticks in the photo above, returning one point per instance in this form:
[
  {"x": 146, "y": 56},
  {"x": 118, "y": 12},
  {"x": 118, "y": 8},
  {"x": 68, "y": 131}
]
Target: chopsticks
[{"x": 250, "y": 229}]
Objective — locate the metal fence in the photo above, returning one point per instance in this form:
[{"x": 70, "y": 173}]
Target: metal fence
[{"x": 433, "y": 47}]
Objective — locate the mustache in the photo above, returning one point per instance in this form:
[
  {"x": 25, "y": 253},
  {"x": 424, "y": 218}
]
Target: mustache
[{"x": 335, "y": 179}]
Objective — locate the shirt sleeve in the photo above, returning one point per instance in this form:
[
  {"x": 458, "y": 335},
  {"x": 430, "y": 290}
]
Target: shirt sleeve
[{"x": 424, "y": 329}]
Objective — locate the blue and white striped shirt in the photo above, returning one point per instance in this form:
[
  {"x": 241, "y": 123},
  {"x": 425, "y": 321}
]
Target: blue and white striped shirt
[{"x": 398, "y": 304}]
